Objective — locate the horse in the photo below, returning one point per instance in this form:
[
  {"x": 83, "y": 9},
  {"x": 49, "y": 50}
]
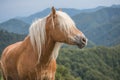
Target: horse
[{"x": 34, "y": 58}]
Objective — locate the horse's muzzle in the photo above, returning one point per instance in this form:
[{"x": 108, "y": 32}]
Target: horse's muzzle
[{"x": 81, "y": 41}]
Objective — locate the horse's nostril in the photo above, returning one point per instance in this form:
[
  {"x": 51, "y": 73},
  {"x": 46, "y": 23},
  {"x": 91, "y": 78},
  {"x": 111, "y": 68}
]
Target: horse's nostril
[{"x": 83, "y": 40}]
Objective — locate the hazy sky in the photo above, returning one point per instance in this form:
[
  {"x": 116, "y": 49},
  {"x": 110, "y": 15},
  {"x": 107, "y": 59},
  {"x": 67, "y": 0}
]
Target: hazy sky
[{"x": 13, "y": 8}]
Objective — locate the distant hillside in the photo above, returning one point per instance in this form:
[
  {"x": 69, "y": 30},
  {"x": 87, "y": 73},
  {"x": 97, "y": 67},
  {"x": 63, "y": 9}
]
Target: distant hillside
[
  {"x": 98, "y": 63},
  {"x": 45, "y": 12},
  {"x": 7, "y": 38},
  {"x": 115, "y": 6},
  {"x": 16, "y": 26},
  {"x": 101, "y": 27}
]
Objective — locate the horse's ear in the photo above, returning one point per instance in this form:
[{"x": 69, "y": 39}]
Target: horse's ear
[{"x": 53, "y": 10}]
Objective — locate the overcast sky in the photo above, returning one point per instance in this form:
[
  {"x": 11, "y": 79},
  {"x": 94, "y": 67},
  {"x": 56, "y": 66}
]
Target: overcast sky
[{"x": 14, "y": 8}]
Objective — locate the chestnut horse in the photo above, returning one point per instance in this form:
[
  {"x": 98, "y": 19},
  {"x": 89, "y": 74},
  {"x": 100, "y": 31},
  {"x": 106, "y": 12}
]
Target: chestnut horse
[{"x": 34, "y": 58}]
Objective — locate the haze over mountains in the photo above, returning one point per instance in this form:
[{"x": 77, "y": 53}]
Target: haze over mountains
[{"x": 101, "y": 25}]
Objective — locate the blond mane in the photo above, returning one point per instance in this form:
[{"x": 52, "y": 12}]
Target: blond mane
[
  {"x": 66, "y": 22},
  {"x": 37, "y": 32}
]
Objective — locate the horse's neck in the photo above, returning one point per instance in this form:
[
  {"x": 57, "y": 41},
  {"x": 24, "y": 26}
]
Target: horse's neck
[{"x": 47, "y": 49}]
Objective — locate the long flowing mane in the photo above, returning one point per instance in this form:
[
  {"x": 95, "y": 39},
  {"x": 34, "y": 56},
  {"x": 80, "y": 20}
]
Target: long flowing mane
[{"x": 37, "y": 32}]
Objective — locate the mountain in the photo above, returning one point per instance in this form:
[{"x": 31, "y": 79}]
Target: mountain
[
  {"x": 115, "y": 6},
  {"x": 16, "y": 26},
  {"x": 45, "y": 12},
  {"x": 35, "y": 16},
  {"x": 101, "y": 27}
]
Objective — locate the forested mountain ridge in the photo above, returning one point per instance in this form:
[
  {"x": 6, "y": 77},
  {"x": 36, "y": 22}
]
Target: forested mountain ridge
[
  {"x": 101, "y": 27},
  {"x": 98, "y": 63},
  {"x": 15, "y": 26}
]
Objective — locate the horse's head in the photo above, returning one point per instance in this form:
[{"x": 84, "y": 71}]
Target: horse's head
[{"x": 62, "y": 28}]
